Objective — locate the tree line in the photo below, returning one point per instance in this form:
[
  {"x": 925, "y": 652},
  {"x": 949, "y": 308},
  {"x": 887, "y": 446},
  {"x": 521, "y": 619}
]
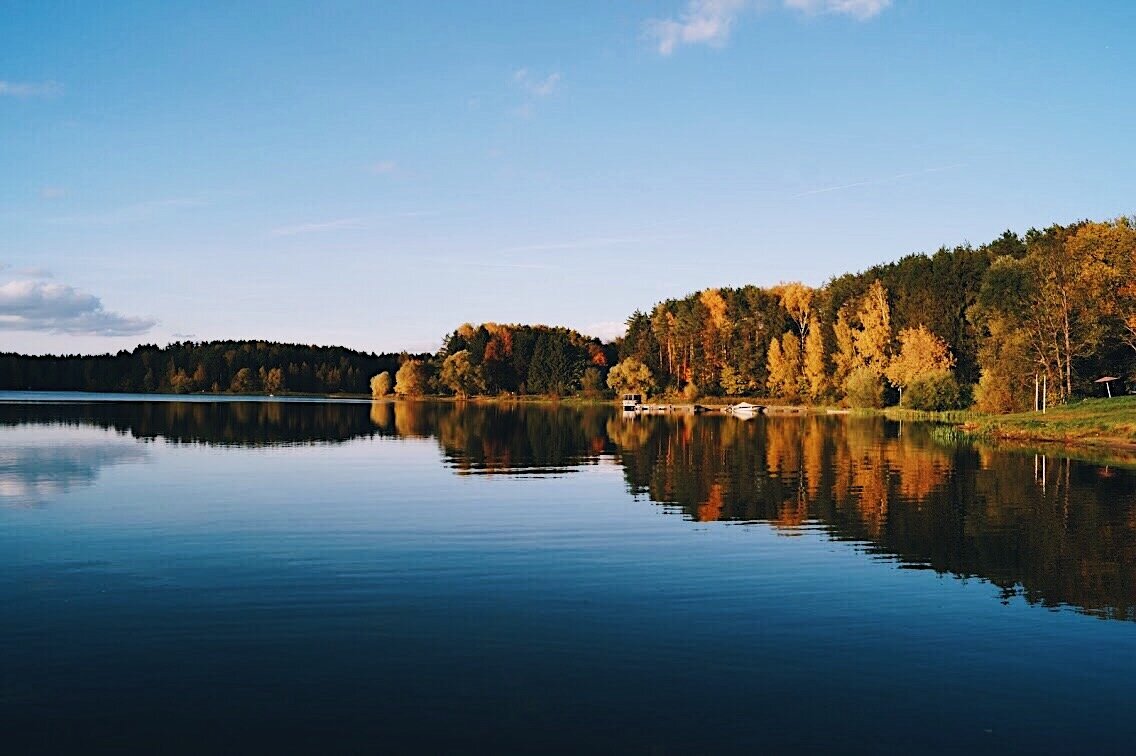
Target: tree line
[
  {"x": 982, "y": 324},
  {"x": 930, "y": 331},
  {"x": 512, "y": 359},
  {"x": 194, "y": 367}
]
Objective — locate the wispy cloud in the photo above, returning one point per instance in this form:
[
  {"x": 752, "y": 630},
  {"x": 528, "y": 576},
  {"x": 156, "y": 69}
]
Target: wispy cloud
[
  {"x": 710, "y": 22},
  {"x": 540, "y": 86},
  {"x": 877, "y": 181},
  {"x": 701, "y": 22},
  {"x": 340, "y": 224},
  {"x": 30, "y": 88},
  {"x": 858, "y": 9},
  {"x": 383, "y": 167},
  {"x": 58, "y": 308},
  {"x": 52, "y": 192}
]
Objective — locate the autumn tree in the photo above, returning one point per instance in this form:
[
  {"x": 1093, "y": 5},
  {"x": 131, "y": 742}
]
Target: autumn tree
[
  {"x": 845, "y": 359},
  {"x": 381, "y": 384},
  {"x": 732, "y": 381},
  {"x": 460, "y": 375},
  {"x": 797, "y": 299},
  {"x": 920, "y": 353},
  {"x": 784, "y": 365},
  {"x": 1106, "y": 253},
  {"x": 873, "y": 338},
  {"x": 272, "y": 380},
  {"x": 814, "y": 368},
  {"x": 243, "y": 382},
  {"x": 410, "y": 380},
  {"x": 629, "y": 376}
]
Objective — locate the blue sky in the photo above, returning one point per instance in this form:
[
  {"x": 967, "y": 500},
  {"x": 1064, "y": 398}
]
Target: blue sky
[{"x": 375, "y": 174}]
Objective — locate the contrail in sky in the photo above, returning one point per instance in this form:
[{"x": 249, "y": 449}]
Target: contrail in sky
[{"x": 873, "y": 182}]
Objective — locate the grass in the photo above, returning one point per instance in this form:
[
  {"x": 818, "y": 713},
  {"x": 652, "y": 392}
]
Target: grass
[
  {"x": 1099, "y": 422},
  {"x": 1095, "y": 421}
]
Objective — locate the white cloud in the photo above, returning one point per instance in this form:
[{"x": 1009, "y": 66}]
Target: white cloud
[
  {"x": 536, "y": 85},
  {"x": 30, "y": 88},
  {"x": 384, "y": 167},
  {"x": 710, "y": 22},
  {"x": 858, "y": 9},
  {"x": 701, "y": 22},
  {"x": 52, "y": 192},
  {"x": 308, "y": 228},
  {"x": 58, "y": 308},
  {"x": 608, "y": 330}
]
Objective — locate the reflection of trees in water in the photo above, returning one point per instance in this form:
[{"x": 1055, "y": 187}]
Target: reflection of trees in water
[
  {"x": 497, "y": 438},
  {"x": 1060, "y": 532},
  {"x": 1064, "y": 533},
  {"x": 222, "y": 423}
]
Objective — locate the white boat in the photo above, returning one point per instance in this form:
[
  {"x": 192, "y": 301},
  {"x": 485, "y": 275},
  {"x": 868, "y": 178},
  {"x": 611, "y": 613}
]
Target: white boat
[
  {"x": 632, "y": 402},
  {"x": 744, "y": 409}
]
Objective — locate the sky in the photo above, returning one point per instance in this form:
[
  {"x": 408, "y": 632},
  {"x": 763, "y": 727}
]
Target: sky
[{"x": 374, "y": 174}]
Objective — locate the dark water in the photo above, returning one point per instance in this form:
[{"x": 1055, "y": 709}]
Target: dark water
[{"x": 323, "y": 577}]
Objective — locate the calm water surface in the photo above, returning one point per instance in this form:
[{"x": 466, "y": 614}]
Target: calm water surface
[{"x": 314, "y": 576}]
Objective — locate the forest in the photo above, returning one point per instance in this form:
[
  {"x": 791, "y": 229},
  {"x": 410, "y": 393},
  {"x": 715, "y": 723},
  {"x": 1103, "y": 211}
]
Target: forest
[
  {"x": 929, "y": 331},
  {"x": 211, "y": 367},
  {"x": 985, "y": 325}
]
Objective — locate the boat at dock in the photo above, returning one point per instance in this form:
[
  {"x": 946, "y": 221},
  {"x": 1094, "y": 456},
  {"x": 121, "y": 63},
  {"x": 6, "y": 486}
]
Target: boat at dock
[{"x": 744, "y": 410}]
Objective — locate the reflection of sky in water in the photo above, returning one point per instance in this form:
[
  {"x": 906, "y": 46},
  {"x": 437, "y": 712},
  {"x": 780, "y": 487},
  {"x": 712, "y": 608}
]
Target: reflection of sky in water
[{"x": 39, "y": 463}]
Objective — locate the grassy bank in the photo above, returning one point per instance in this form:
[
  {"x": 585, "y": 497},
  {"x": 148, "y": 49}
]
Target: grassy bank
[{"x": 1100, "y": 422}]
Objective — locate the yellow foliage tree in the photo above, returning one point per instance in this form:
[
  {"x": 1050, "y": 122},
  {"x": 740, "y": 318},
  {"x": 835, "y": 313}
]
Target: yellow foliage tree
[
  {"x": 381, "y": 384},
  {"x": 920, "y": 352},
  {"x": 783, "y": 364},
  {"x": 797, "y": 299},
  {"x": 410, "y": 380},
  {"x": 845, "y": 360},
  {"x": 815, "y": 366},
  {"x": 873, "y": 338},
  {"x": 629, "y": 377}
]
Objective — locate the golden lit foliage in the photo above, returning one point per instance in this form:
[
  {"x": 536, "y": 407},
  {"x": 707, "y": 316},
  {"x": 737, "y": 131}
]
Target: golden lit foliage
[
  {"x": 410, "y": 380},
  {"x": 815, "y": 366},
  {"x": 381, "y": 384},
  {"x": 460, "y": 375},
  {"x": 797, "y": 299},
  {"x": 783, "y": 362},
  {"x": 629, "y": 376},
  {"x": 1107, "y": 255},
  {"x": 920, "y": 352},
  {"x": 715, "y": 310},
  {"x": 845, "y": 360},
  {"x": 873, "y": 338}
]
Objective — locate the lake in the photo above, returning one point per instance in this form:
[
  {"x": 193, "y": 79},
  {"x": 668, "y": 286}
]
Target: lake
[{"x": 223, "y": 575}]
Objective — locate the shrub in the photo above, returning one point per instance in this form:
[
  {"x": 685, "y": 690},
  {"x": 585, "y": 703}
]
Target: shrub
[
  {"x": 690, "y": 392},
  {"x": 933, "y": 392},
  {"x": 863, "y": 389}
]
